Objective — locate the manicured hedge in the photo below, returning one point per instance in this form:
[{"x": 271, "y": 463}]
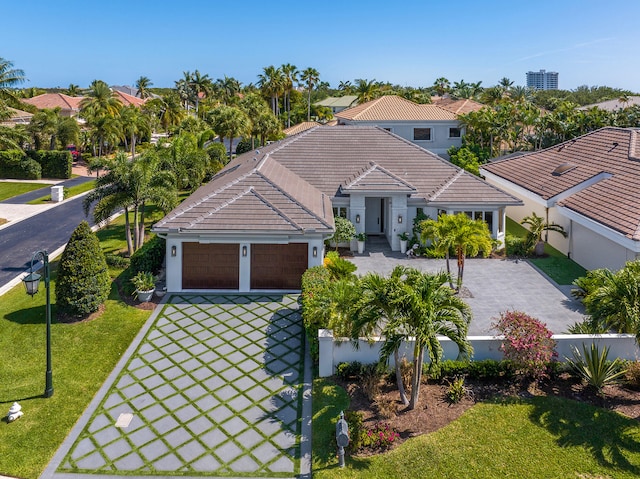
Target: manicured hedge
[
  {"x": 314, "y": 285},
  {"x": 15, "y": 165},
  {"x": 55, "y": 164}
]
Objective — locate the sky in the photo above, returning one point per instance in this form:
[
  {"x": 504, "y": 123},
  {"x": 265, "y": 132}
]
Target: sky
[{"x": 409, "y": 43}]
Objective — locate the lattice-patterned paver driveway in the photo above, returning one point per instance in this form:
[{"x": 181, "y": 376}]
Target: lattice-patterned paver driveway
[{"x": 213, "y": 388}]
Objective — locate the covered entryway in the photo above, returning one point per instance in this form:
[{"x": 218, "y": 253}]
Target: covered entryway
[
  {"x": 278, "y": 266},
  {"x": 210, "y": 266}
]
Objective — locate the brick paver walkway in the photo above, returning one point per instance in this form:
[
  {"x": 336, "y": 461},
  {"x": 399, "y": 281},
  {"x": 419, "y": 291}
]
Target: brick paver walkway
[{"x": 214, "y": 388}]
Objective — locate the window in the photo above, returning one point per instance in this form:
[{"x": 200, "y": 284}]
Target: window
[
  {"x": 340, "y": 211},
  {"x": 454, "y": 133},
  {"x": 422, "y": 134}
]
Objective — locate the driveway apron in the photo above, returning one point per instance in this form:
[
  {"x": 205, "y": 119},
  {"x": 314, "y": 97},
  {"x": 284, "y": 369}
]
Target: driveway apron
[{"x": 213, "y": 387}]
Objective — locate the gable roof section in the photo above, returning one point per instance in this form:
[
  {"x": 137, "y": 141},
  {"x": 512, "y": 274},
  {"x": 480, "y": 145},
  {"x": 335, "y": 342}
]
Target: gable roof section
[
  {"x": 300, "y": 127},
  {"x": 374, "y": 178},
  {"x": 458, "y": 106},
  {"x": 338, "y": 101},
  {"x": 603, "y": 185},
  {"x": 127, "y": 100},
  {"x": 395, "y": 108},
  {"x": 55, "y": 100}
]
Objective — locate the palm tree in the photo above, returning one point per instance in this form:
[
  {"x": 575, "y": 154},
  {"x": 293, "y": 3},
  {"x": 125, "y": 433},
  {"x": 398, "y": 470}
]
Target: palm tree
[
  {"x": 228, "y": 89},
  {"x": 505, "y": 84},
  {"x": 134, "y": 124},
  {"x": 230, "y": 122},
  {"x": 43, "y": 128},
  {"x": 441, "y": 86},
  {"x": 9, "y": 78},
  {"x": 427, "y": 308},
  {"x": 200, "y": 84},
  {"x": 374, "y": 309},
  {"x": 464, "y": 235},
  {"x": 100, "y": 101},
  {"x": 309, "y": 76},
  {"x": 73, "y": 90},
  {"x": 271, "y": 82},
  {"x": 290, "y": 73},
  {"x": 537, "y": 225},
  {"x": 366, "y": 90},
  {"x": 345, "y": 87},
  {"x": 142, "y": 84}
]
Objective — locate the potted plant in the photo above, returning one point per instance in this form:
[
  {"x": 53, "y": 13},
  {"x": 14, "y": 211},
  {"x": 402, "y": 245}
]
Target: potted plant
[
  {"x": 404, "y": 238},
  {"x": 361, "y": 238},
  {"x": 145, "y": 284}
]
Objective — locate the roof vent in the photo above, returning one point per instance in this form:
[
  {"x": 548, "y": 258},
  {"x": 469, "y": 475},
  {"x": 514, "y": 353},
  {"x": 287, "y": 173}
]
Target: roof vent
[
  {"x": 563, "y": 168},
  {"x": 613, "y": 146}
]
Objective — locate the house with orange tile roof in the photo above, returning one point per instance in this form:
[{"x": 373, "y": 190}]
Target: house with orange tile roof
[
  {"x": 432, "y": 127},
  {"x": 69, "y": 105},
  {"x": 265, "y": 217},
  {"x": 589, "y": 185}
]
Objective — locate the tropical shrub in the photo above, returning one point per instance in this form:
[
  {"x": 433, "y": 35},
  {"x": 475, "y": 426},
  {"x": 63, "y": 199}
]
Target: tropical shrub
[
  {"x": 117, "y": 261},
  {"x": 593, "y": 366},
  {"x": 516, "y": 246},
  {"x": 348, "y": 371},
  {"x": 83, "y": 282},
  {"x": 456, "y": 390},
  {"x": 14, "y": 164},
  {"x": 345, "y": 230},
  {"x": 313, "y": 296},
  {"x": 340, "y": 268},
  {"x": 527, "y": 342},
  {"x": 632, "y": 376},
  {"x": 379, "y": 437},
  {"x": 355, "y": 420}
]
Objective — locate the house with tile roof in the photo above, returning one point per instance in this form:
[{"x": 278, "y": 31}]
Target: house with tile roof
[
  {"x": 432, "y": 127},
  {"x": 614, "y": 104},
  {"x": 69, "y": 105},
  {"x": 338, "y": 103},
  {"x": 589, "y": 185},
  {"x": 16, "y": 117},
  {"x": 264, "y": 219}
]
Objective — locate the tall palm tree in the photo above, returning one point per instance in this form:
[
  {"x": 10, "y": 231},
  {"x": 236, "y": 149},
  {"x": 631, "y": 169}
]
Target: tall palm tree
[
  {"x": 366, "y": 90},
  {"x": 201, "y": 85},
  {"x": 345, "y": 87},
  {"x": 290, "y": 73},
  {"x": 427, "y": 308},
  {"x": 142, "y": 84},
  {"x": 271, "y": 82},
  {"x": 505, "y": 84},
  {"x": 9, "y": 78},
  {"x": 134, "y": 124},
  {"x": 230, "y": 122},
  {"x": 309, "y": 76},
  {"x": 441, "y": 86},
  {"x": 99, "y": 101},
  {"x": 460, "y": 233},
  {"x": 73, "y": 90}
]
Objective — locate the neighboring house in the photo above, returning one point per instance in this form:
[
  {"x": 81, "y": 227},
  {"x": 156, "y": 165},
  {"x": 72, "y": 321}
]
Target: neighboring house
[
  {"x": 69, "y": 105},
  {"x": 458, "y": 107},
  {"x": 614, "y": 105},
  {"x": 304, "y": 126},
  {"x": 589, "y": 185},
  {"x": 432, "y": 127},
  {"x": 127, "y": 99},
  {"x": 17, "y": 117},
  {"x": 263, "y": 220},
  {"x": 338, "y": 103}
]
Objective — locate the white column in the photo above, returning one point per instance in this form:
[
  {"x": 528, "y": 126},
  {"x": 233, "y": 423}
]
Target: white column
[
  {"x": 174, "y": 264},
  {"x": 245, "y": 267},
  {"x": 325, "y": 361}
]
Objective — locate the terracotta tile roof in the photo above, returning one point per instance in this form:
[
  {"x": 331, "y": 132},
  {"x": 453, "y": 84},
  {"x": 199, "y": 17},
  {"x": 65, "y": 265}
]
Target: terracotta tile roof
[
  {"x": 288, "y": 186},
  {"x": 596, "y": 175},
  {"x": 55, "y": 100},
  {"x": 395, "y": 108},
  {"x": 457, "y": 106},
  {"x": 127, "y": 100},
  {"x": 17, "y": 117},
  {"x": 613, "y": 105},
  {"x": 300, "y": 127}
]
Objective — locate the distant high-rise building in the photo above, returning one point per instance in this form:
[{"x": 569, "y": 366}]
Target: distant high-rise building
[{"x": 542, "y": 80}]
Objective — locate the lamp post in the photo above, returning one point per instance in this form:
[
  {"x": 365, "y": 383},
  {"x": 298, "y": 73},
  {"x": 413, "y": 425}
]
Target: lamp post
[{"x": 31, "y": 282}]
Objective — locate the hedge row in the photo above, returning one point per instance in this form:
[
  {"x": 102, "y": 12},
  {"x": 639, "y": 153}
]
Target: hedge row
[
  {"x": 15, "y": 165},
  {"x": 55, "y": 164},
  {"x": 148, "y": 258}
]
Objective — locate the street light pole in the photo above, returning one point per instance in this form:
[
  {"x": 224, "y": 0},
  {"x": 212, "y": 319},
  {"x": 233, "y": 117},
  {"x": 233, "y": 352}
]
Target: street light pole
[{"x": 31, "y": 282}]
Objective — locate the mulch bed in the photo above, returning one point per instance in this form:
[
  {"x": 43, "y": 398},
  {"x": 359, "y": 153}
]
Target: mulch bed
[{"x": 434, "y": 411}]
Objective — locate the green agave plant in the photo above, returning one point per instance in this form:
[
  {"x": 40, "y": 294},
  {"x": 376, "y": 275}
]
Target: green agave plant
[{"x": 594, "y": 367}]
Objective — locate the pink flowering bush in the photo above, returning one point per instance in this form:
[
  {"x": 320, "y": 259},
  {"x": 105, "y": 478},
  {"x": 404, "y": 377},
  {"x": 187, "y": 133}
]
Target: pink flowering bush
[
  {"x": 527, "y": 342},
  {"x": 379, "y": 437}
]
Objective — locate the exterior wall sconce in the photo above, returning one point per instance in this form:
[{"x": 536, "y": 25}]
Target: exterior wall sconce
[
  {"x": 315, "y": 251},
  {"x": 357, "y": 218},
  {"x": 400, "y": 219},
  {"x": 173, "y": 250},
  {"x": 244, "y": 250}
]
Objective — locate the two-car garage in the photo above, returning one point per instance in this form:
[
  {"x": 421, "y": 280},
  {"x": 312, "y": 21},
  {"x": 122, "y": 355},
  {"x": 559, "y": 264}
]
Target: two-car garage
[{"x": 218, "y": 265}]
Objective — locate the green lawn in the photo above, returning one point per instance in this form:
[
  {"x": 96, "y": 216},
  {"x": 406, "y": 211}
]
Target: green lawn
[
  {"x": 9, "y": 190},
  {"x": 555, "y": 264},
  {"x": 69, "y": 193},
  {"x": 533, "y": 438},
  {"x": 83, "y": 356}
]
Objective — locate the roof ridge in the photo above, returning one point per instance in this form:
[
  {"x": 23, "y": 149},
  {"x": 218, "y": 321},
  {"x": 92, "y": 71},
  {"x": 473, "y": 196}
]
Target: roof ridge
[
  {"x": 275, "y": 208},
  {"x": 200, "y": 218},
  {"x": 444, "y": 187},
  {"x": 375, "y": 166},
  {"x": 371, "y": 104},
  {"x": 288, "y": 195},
  {"x": 634, "y": 145}
]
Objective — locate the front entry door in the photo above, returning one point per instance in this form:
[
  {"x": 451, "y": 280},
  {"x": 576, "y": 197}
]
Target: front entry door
[{"x": 373, "y": 216}]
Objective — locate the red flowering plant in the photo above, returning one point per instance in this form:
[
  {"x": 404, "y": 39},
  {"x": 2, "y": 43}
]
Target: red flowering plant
[
  {"x": 379, "y": 437},
  {"x": 527, "y": 342}
]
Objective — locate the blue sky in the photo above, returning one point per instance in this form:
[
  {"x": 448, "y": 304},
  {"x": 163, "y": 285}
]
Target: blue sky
[{"x": 406, "y": 42}]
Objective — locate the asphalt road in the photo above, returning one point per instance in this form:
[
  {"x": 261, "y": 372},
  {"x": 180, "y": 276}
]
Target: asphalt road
[
  {"x": 45, "y": 190},
  {"x": 48, "y": 230}
]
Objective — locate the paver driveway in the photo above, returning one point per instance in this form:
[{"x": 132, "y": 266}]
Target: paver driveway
[{"x": 214, "y": 387}]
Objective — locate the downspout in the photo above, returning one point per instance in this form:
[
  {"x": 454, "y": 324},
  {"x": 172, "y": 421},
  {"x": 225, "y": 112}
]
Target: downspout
[{"x": 546, "y": 220}]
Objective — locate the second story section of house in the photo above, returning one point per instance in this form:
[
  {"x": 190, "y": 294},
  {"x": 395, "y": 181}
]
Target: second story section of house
[{"x": 430, "y": 126}]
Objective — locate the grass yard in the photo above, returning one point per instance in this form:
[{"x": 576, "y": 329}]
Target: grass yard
[
  {"x": 69, "y": 193},
  {"x": 9, "y": 189},
  {"x": 83, "y": 355},
  {"x": 530, "y": 438},
  {"x": 556, "y": 265}
]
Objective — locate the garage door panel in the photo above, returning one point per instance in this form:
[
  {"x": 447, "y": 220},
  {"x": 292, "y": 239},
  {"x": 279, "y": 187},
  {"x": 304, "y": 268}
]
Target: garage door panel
[
  {"x": 278, "y": 266},
  {"x": 210, "y": 266}
]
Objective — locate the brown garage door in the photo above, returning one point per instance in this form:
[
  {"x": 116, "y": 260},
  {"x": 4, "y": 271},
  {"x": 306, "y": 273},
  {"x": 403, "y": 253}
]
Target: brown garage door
[
  {"x": 210, "y": 266},
  {"x": 278, "y": 266}
]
